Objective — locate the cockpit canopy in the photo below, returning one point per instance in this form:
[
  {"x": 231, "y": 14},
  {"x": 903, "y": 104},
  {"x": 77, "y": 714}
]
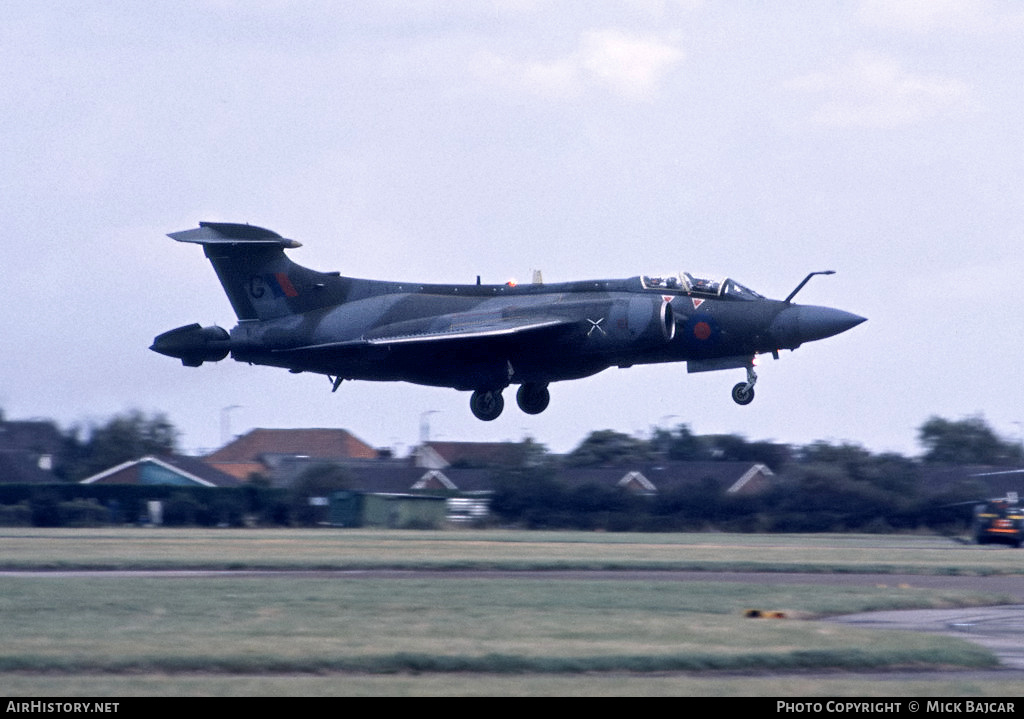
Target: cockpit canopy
[{"x": 684, "y": 282}]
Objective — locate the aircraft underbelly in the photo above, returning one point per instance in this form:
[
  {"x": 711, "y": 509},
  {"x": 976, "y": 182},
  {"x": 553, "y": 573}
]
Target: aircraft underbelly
[{"x": 472, "y": 369}]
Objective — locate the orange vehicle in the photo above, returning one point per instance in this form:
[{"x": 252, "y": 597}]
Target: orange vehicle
[{"x": 999, "y": 520}]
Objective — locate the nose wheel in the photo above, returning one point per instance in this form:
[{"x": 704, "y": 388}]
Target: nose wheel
[
  {"x": 743, "y": 393},
  {"x": 486, "y": 405}
]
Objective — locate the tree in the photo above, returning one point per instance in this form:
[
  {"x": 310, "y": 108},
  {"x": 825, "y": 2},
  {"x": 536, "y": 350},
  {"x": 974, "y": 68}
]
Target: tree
[
  {"x": 608, "y": 447},
  {"x": 122, "y": 438},
  {"x": 736, "y": 448},
  {"x": 681, "y": 444},
  {"x": 527, "y": 453},
  {"x": 965, "y": 441}
]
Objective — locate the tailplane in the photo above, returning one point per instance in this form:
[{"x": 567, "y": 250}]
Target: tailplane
[{"x": 260, "y": 281}]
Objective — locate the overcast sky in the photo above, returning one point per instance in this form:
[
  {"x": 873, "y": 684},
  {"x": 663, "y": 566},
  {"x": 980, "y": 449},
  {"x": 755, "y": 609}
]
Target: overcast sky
[{"x": 437, "y": 141}]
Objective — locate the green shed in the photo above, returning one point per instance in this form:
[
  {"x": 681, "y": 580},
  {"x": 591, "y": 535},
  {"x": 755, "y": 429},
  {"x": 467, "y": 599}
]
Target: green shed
[
  {"x": 346, "y": 509},
  {"x": 403, "y": 511}
]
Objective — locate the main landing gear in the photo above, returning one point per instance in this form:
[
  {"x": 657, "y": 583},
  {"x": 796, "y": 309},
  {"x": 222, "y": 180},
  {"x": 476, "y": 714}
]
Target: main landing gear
[
  {"x": 486, "y": 405},
  {"x": 743, "y": 393},
  {"x": 532, "y": 399}
]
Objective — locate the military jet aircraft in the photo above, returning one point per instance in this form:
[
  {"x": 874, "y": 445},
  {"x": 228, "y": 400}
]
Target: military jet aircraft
[{"x": 479, "y": 337}]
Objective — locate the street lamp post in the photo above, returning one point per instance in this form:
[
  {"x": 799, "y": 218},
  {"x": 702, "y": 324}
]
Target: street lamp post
[
  {"x": 225, "y": 423},
  {"x": 425, "y": 425}
]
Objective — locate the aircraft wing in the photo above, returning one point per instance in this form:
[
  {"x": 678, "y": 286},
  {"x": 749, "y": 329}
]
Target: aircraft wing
[
  {"x": 472, "y": 330},
  {"x": 460, "y": 329}
]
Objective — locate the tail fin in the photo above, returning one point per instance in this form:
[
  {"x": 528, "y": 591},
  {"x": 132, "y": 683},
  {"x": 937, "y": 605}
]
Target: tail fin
[{"x": 259, "y": 280}]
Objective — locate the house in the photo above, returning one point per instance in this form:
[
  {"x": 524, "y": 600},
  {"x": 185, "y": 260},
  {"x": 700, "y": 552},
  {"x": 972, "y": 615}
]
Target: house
[
  {"x": 438, "y": 455},
  {"x": 405, "y": 490},
  {"x": 23, "y": 468},
  {"x": 257, "y": 451},
  {"x": 27, "y": 451},
  {"x": 165, "y": 471},
  {"x": 631, "y": 480},
  {"x": 732, "y": 478},
  {"x": 38, "y": 436},
  {"x": 387, "y": 476},
  {"x": 468, "y": 490},
  {"x": 153, "y": 472}
]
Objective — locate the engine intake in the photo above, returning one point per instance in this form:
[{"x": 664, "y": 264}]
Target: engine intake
[
  {"x": 642, "y": 322},
  {"x": 651, "y": 321}
]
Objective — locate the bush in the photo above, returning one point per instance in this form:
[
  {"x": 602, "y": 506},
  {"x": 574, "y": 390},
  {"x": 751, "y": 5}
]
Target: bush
[
  {"x": 181, "y": 509},
  {"x": 45, "y": 509},
  {"x": 15, "y": 515},
  {"x": 83, "y": 513},
  {"x": 223, "y": 511}
]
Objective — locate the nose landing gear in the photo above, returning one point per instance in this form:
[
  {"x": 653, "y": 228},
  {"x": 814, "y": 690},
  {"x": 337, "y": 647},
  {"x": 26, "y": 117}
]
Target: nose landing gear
[{"x": 743, "y": 393}]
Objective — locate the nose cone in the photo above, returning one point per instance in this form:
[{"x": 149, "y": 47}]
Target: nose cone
[{"x": 805, "y": 323}]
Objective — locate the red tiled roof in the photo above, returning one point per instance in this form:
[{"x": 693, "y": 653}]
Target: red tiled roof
[
  {"x": 316, "y": 443},
  {"x": 240, "y": 470}
]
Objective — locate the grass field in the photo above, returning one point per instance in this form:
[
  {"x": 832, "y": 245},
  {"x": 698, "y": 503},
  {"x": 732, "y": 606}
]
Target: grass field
[
  {"x": 233, "y": 549},
  {"x": 458, "y": 634}
]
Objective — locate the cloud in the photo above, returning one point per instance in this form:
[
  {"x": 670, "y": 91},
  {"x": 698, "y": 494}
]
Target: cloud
[
  {"x": 875, "y": 91},
  {"x": 631, "y": 66}
]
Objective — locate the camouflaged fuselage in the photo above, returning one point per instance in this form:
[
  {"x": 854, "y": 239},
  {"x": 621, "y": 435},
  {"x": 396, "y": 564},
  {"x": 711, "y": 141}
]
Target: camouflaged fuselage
[{"x": 480, "y": 337}]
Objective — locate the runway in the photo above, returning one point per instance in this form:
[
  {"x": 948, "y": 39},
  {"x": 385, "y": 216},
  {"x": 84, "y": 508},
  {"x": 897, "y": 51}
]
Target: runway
[{"x": 999, "y": 629}]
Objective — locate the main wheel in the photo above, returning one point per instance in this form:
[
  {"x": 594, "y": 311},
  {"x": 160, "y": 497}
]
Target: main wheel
[
  {"x": 486, "y": 405},
  {"x": 533, "y": 398},
  {"x": 742, "y": 393}
]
